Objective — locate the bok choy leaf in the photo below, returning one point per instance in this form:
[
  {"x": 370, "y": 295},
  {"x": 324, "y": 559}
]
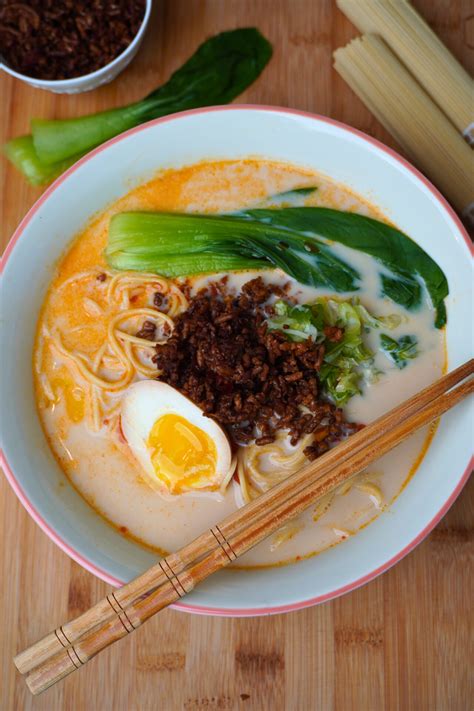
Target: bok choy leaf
[
  {"x": 298, "y": 240},
  {"x": 401, "y": 351},
  {"x": 406, "y": 261}
]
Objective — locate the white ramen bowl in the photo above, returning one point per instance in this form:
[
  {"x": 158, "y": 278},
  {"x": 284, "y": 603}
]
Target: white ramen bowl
[{"x": 231, "y": 132}]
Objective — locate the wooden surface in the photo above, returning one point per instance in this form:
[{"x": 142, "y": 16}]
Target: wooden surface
[{"x": 401, "y": 642}]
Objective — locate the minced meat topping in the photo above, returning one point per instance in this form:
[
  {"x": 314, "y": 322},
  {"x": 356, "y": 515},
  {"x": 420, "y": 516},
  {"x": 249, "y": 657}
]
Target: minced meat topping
[{"x": 252, "y": 381}]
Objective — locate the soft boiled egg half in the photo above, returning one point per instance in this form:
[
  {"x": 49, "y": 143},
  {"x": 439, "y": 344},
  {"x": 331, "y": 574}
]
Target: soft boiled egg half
[{"x": 179, "y": 449}]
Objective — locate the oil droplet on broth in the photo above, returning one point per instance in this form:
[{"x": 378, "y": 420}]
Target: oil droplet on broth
[{"x": 73, "y": 396}]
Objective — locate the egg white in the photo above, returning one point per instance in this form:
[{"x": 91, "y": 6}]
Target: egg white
[{"x": 147, "y": 401}]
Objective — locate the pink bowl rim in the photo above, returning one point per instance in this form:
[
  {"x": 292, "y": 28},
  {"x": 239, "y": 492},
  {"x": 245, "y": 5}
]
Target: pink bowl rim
[{"x": 197, "y": 609}]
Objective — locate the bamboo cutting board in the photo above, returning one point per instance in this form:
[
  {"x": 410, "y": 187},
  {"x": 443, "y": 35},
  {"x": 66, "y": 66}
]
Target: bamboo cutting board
[{"x": 401, "y": 642}]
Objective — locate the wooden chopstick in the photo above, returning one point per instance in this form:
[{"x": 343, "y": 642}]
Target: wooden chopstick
[
  {"x": 302, "y": 490},
  {"x": 107, "y": 608}
]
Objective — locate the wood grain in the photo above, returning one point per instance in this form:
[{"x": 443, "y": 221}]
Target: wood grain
[{"x": 401, "y": 642}]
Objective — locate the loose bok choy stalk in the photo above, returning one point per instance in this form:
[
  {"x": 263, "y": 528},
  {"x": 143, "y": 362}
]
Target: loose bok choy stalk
[
  {"x": 299, "y": 240},
  {"x": 216, "y": 73},
  {"x": 21, "y": 152}
]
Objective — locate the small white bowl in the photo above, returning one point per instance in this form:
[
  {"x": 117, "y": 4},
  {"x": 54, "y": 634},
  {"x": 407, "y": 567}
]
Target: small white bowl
[
  {"x": 89, "y": 81},
  {"x": 110, "y": 171}
]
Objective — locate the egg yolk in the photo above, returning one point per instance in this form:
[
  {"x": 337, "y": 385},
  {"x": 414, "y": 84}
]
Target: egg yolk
[{"x": 183, "y": 456}]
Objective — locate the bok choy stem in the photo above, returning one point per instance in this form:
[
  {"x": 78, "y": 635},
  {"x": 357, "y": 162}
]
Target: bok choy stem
[
  {"x": 21, "y": 152},
  {"x": 56, "y": 140}
]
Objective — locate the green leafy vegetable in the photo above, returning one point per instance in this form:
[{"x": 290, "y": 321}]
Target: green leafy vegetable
[
  {"x": 154, "y": 235},
  {"x": 391, "y": 321},
  {"x": 295, "y": 197},
  {"x": 297, "y": 322},
  {"x": 402, "y": 289},
  {"x": 398, "y": 253},
  {"x": 298, "y": 191},
  {"x": 216, "y": 73},
  {"x": 346, "y": 361},
  {"x": 401, "y": 351},
  {"x": 296, "y": 239},
  {"x": 340, "y": 374}
]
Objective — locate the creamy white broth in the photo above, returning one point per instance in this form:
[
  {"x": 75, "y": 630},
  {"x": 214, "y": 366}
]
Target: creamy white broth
[{"x": 105, "y": 473}]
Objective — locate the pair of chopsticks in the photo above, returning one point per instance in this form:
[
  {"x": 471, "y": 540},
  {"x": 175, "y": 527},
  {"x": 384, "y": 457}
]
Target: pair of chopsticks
[
  {"x": 123, "y": 610},
  {"x": 416, "y": 89}
]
